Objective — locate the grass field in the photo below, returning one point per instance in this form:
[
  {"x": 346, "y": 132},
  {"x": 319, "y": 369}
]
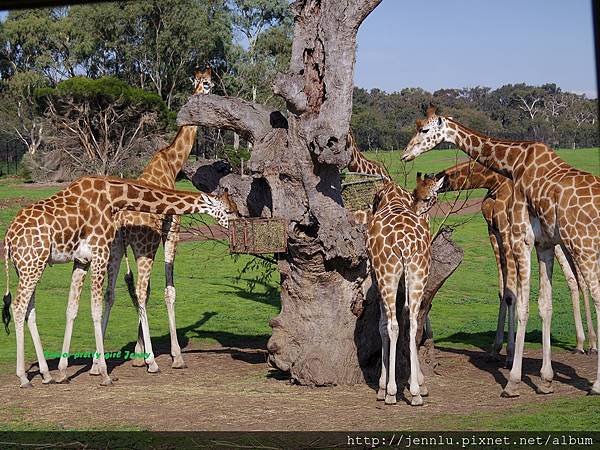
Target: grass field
[{"x": 215, "y": 304}]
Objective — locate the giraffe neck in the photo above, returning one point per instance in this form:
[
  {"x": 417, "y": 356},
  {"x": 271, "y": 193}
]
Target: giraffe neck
[
  {"x": 358, "y": 163},
  {"x": 470, "y": 175},
  {"x": 175, "y": 155},
  {"x": 150, "y": 199},
  {"x": 500, "y": 156}
]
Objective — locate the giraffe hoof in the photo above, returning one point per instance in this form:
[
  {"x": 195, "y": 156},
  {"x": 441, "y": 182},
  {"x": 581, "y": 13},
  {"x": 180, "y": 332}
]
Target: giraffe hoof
[
  {"x": 423, "y": 391},
  {"x": 545, "y": 388},
  {"x": 107, "y": 382},
  {"x": 94, "y": 371},
  {"x": 592, "y": 351},
  {"x": 153, "y": 369},
  {"x": 26, "y": 385},
  {"x": 417, "y": 400},
  {"x": 138, "y": 362},
  {"x": 510, "y": 391},
  {"x": 390, "y": 399},
  {"x": 62, "y": 378},
  {"x": 578, "y": 351},
  {"x": 593, "y": 391},
  {"x": 380, "y": 395},
  {"x": 178, "y": 363},
  {"x": 48, "y": 380}
]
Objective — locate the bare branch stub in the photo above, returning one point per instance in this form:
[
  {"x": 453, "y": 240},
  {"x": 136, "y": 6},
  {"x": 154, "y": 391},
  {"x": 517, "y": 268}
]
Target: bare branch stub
[{"x": 252, "y": 121}]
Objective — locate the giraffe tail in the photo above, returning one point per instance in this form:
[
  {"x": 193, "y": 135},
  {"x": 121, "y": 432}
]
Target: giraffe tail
[
  {"x": 7, "y": 297},
  {"x": 130, "y": 282}
]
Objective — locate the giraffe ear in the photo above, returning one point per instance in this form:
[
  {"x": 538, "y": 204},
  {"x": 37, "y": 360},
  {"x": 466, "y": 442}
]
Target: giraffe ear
[
  {"x": 419, "y": 123},
  {"x": 439, "y": 184},
  {"x": 431, "y": 110},
  {"x": 419, "y": 175}
]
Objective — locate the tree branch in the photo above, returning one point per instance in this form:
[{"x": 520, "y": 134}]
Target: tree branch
[{"x": 252, "y": 121}]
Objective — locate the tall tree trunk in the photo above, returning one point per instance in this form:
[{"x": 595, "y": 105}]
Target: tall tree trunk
[{"x": 327, "y": 330}]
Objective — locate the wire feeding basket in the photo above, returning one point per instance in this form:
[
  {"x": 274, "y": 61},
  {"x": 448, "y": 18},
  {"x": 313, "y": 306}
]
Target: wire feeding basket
[
  {"x": 257, "y": 235},
  {"x": 359, "y": 189}
]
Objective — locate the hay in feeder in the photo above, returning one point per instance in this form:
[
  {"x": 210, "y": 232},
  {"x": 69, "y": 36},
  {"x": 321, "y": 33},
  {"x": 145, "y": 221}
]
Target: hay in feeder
[
  {"x": 359, "y": 189},
  {"x": 255, "y": 235}
]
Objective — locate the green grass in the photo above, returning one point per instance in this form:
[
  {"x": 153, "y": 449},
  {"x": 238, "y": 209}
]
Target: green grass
[{"x": 574, "y": 414}]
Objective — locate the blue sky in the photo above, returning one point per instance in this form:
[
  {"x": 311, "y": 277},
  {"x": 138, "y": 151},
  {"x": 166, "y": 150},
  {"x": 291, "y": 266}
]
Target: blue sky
[{"x": 437, "y": 44}]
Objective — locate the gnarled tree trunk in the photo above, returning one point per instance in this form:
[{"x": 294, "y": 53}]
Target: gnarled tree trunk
[{"x": 295, "y": 167}]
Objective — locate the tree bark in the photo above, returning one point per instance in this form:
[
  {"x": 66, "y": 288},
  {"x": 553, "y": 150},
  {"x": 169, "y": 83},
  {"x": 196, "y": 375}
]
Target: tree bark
[{"x": 295, "y": 168}]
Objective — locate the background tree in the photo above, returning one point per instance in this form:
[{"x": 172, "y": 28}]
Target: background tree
[
  {"x": 98, "y": 126},
  {"x": 18, "y": 111}
]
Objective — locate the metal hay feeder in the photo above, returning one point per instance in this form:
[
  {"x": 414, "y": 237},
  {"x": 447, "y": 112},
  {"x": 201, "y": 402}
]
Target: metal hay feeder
[
  {"x": 257, "y": 235},
  {"x": 359, "y": 189}
]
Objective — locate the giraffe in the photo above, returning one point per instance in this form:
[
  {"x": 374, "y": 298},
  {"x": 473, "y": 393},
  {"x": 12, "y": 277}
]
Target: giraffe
[
  {"x": 552, "y": 204},
  {"x": 495, "y": 209},
  {"x": 359, "y": 164},
  {"x": 78, "y": 224},
  {"x": 143, "y": 233},
  {"x": 398, "y": 243}
]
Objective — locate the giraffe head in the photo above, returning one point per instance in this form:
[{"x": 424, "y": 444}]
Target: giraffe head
[
  {"x": 221, "y": 207},
  {"x": 425, "y": 193},
  {"x": 430, "y": 132},
  {"x": 202, "y": 81}
]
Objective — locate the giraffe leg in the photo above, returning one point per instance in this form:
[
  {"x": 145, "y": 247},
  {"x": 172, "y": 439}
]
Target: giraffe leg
[
  {"x": 589, "y": 268},
  {"x": 546, "y": 261},
  {"x": 499, "y": 340},
  {"x": 522, "y": 243},
  {"x": 385, "y": 350},
  {"x": 388, "y": 288},
  {"x": 19, "y": 308},
  {"x": 170, "y": 245},
  {"x": 414, "y": 295},
  {"x": 77, "y": 278},
  {"x": 117, "y": 251},
  {"x": 98, "y": 266},
  {"x": 35, "y": 336},
  {"x": 139, "y": 345},
  {"x": 590, "y": 323},
  {"x": 509, "y": 278},
  {"x": 144, "y": 272},
  {"x": 392, "y": 330},
  {"x": 574, "y": 290}
]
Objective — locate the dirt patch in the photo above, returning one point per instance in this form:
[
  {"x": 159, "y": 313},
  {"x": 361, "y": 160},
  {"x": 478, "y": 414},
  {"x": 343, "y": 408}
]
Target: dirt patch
[{"x": 234, "y": 389}]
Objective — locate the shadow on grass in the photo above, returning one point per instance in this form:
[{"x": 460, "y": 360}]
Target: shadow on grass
[
  {"x": 485, "y": 339},
  {"x": 248, "y": 348},
  {"x": 531, "y": 367}
]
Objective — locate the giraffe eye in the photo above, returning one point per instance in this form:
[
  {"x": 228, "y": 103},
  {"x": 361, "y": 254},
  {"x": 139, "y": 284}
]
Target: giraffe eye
[{"x": 425, "y": 130}]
